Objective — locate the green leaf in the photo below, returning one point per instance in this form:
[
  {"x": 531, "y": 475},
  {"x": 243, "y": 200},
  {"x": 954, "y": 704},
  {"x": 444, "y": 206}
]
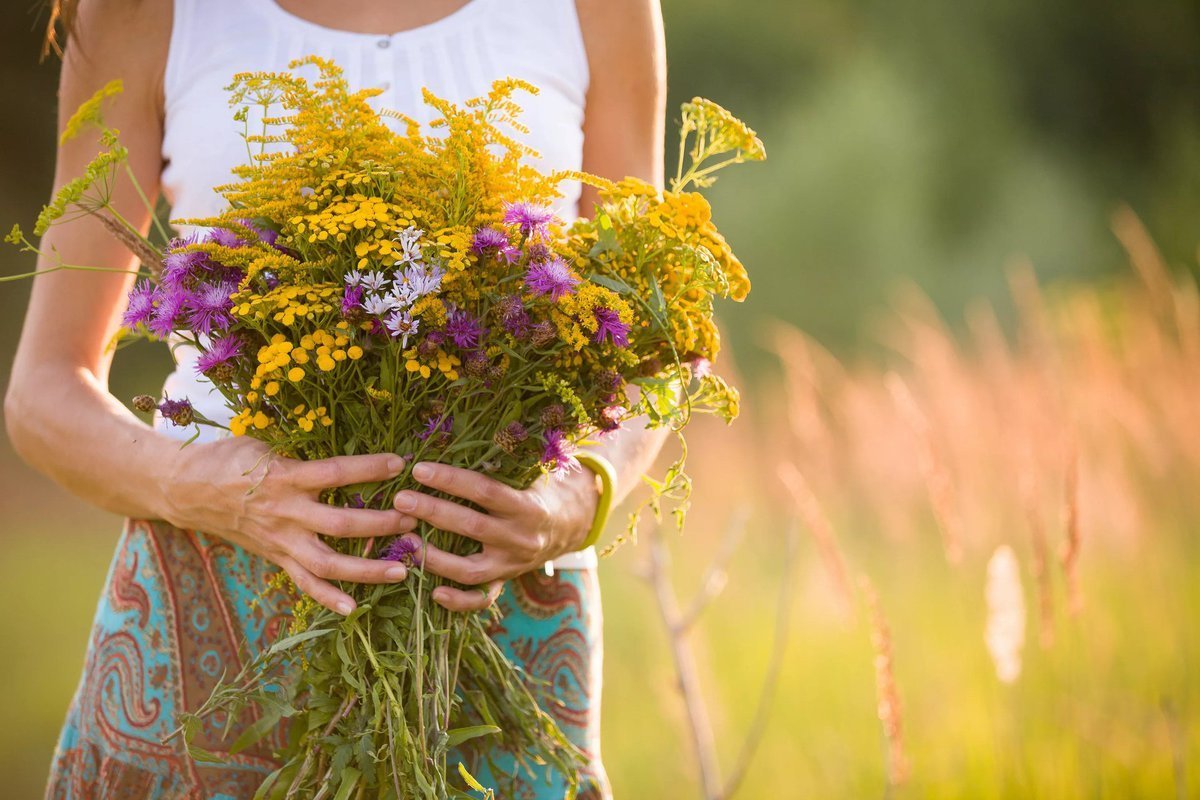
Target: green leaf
[
  {"x": 617, "y": 285},
  {"x": 260, "y": 728},
  {"x": 459, "y": 735},
  {"x": 469, "y": 778},
  {"x": 292, "y": 641},
  {"x": 350, "y": 778}
]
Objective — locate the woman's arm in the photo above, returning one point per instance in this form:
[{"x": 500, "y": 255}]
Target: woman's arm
[
  {"x": 623, "y": 136},
  {"x": 59, "y": 413}
]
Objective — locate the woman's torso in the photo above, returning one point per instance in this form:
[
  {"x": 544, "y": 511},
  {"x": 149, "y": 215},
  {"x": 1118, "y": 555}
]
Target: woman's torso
[{"x": 457, "y": 57}]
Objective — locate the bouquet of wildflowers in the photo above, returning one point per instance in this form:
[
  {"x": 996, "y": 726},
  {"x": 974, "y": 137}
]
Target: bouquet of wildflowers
[{"x": 370, "y": 291}]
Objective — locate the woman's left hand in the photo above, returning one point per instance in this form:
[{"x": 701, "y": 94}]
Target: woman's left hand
[{"x": 520, "y": 530}]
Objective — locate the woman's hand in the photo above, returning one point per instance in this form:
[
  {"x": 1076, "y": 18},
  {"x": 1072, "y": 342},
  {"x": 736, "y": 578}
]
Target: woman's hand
[
  {"x": 519, "y": 530},
  {"x": 236, "y": 488}
]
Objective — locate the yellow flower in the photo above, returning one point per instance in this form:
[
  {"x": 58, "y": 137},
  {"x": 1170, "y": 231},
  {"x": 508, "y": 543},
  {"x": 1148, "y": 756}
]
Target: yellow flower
[{"x": 295, "y": 374}]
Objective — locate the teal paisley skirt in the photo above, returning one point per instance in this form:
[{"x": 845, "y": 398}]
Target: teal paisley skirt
[{"x": 178, "y": 610}]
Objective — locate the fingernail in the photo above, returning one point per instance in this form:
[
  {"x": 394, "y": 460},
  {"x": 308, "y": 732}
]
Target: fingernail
[
  {"x": 395, "y": 464},
  {"x": 344, "y": 607},
  {"x": 422, "y": 471},
  {"x": 396, "y": 574},
  {"x": 405, "y": 502}
]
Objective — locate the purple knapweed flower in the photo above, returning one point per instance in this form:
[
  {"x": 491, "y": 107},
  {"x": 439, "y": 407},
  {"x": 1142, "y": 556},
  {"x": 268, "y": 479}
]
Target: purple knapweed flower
[
  {"x": 172, "y": 304},
  {"x": 180, "y": 265},
  {"x": 404, "y": 550},
  {"x": 357, "y": 501},
  {"x": 224, "y": 237},
  {"x": 491, "y": 239},
  {"x": 701, "y": 367},
  {"x": 219, "y": 354},
  {"x": 180, "y": 412},
  {"x": 551, "y": 277},
  {"x": 209, "y": 308},
  {"x": 141, "y": 304},
  {"x": 352, "y": 302},
  {"x": 530, "y": 219},
  {"x": 435, "y": 425},
  {"x": 513, "y": 315},
  {"x": 558, "y": 454},
  {"x": 608, "y": 323},
  {"x": 465, "y": 330}
]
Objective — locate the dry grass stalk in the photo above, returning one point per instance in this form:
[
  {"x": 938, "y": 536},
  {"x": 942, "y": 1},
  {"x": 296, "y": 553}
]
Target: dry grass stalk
[
  {"x": 1069, "y": 555},
  {"x": 888, "y": 697},
  {"x": 933, "y": 469},
  {"x": 136, "y": 246},
  {"x": 1041, "y": 562},
  {"x": 808, "y": 508}
]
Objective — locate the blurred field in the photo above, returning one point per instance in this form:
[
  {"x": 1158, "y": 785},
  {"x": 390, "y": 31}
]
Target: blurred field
[{"x": 912, "y": 471}]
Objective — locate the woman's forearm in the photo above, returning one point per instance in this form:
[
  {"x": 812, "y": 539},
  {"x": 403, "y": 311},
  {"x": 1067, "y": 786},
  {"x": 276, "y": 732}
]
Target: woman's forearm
[{"x": 65, "y": 424}]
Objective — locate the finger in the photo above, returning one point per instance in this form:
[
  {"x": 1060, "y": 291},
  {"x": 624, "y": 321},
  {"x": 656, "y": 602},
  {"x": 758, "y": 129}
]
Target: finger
[
  {"x": 323, "y": 561},
  {"x": 323, "y": 592},
  {"x": 344, "y": 470},
  {"x": 467, "y": 599},
  {"x": 448, "y": 515},
  {"x": 469, "y": 485},
  {"x": 352, "y": 522},
  {"x": 470, "y": 570}
]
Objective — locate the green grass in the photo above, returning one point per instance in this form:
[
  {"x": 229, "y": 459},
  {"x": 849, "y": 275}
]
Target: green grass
[{"x": 1089, "y": 717}]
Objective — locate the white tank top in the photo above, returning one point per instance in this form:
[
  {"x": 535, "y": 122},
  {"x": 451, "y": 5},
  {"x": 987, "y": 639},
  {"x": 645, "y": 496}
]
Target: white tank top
[{"x": 457, "y": 57}]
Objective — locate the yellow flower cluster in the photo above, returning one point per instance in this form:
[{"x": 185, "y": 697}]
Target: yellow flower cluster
[
  {"x": 287, "y": 303},
  {"x": 445, "y": 363},
  {"x": 306, "y": 418},
  {"x": 576, "y": 319}
]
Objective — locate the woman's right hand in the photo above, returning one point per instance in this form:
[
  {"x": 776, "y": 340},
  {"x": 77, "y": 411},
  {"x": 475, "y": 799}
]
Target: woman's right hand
[{"x": 236, "y": 488}]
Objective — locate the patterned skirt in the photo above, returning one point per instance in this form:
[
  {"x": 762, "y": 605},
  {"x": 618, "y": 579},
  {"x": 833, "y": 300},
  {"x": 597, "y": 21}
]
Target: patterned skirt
[{"x": 178, "y": 610}]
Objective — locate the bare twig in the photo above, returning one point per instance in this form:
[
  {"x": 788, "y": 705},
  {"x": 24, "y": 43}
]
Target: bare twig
[
  {"x": 762, "y": 712},
  {"x": 703, "y": 743}
]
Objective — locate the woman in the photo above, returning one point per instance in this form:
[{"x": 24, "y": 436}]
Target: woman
[{"x": 196, "y": 544}]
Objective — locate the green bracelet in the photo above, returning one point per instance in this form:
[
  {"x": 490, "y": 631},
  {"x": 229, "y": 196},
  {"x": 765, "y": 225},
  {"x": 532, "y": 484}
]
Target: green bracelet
[{"x": 608, "y": 482}]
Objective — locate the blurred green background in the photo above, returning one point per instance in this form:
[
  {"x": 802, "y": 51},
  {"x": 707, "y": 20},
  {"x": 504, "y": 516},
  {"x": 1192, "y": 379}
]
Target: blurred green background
[{"x": 913, "y": 141}]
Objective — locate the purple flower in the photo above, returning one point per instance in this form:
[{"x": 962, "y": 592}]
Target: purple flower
[
  {"x": 172, "y": 304},
  {"x": 181, "y": 264},
  {"x": 530, "y": 219},
  {"x": 141, "y": 304},
  {"x": 352, "y": 302},
  {"x": 465, "y": 330},
  {"x": 608, "y": 323},
  {"x": 223, "y": 237},
  {"x": 357, "y": 501},
  {"x": 701, "y": 367},
  {"x": 401, "y": 325},
  {"x": 218, "y": 355},
  {"x": 435, "y": 425},
  {"x": 269, "y": 280},
  {"x": 558, "y": 454},
  {"x": 210, "y": 306},
  {"x": 513, "y": 315},
  {"x": 492, "y": 239},
  {"x": 610, "y": 418},
  {"x": 488, "y": 239},
  {"x": 551, "y": 277},
  {"x": 179, "y": 412},
  {"x": 404, "y": 550}
]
